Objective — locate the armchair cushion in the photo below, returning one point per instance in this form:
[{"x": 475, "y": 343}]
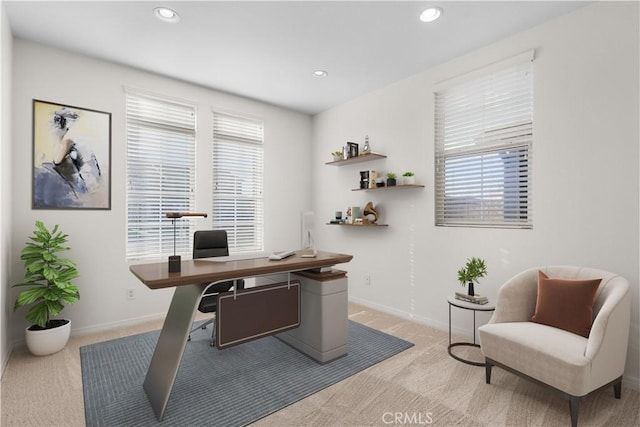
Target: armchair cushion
[
  {"x": 566, "y": 304},
  {"x": 551, "y": 355}
]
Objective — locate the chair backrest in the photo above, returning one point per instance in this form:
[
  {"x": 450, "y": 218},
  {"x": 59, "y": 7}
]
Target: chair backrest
[{"x": 210, "y": 243}]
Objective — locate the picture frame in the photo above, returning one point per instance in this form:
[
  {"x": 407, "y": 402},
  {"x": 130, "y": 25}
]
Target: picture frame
[
  {"x": 352, "y": 149},
  {"x": 71, "y": 162}
]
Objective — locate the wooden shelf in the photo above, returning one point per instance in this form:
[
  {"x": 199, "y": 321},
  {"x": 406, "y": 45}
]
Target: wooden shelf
[
  {"x": 361, "y": 158},
  {"x": 398, "y": 187},
  {"x": 360, "y": 225}
]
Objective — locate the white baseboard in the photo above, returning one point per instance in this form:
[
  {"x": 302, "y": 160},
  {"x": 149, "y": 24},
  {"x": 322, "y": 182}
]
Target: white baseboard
[
  {"x": 102, "y": 327},
  {"x": 627, "y": 381},
  {"x": 631, "y": 382},
  {"x": 118, "y": 324},
  {"x": 414, "y": 317},
  {"x": 5, "y": 361}
]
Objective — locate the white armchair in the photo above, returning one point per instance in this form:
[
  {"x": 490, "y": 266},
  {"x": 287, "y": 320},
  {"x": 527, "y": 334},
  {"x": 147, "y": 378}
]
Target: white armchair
[{"x": 569, "y": 363}]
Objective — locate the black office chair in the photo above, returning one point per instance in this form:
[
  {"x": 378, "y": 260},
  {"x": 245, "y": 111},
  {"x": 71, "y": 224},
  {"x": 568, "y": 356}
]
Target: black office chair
[{"x": 206, "y": 244}]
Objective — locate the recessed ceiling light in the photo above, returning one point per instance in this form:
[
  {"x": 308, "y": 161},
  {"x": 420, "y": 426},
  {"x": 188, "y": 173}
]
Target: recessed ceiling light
[
  {"x": 320, "y": 73},
  {"x": 431, "y": 14},
  {"x": 165, "y": 14}
]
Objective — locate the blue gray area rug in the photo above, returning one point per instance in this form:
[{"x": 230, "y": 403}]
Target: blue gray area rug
[{"x": 232, "y": 387}]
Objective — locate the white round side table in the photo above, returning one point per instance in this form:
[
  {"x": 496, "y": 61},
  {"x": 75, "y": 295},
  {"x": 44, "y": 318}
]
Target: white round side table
[{"x": 464, "y": 305}]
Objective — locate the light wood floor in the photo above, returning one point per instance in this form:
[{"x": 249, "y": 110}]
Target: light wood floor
[{"x": 420, "y": 386}]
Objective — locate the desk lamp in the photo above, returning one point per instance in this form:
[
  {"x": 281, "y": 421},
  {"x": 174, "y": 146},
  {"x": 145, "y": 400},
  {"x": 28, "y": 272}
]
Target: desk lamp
[{"x": 175, "y": 260}]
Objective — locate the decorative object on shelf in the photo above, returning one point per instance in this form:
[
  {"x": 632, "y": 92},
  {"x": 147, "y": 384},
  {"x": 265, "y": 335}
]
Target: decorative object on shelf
[
  {"x": 380, "y": 183},
  {"x": 337, "y": 218},
  {"x": 175, "y": 260},
  {"x": 373, "y": 176},
  {"x": 364, "y": 179},
  {"x": 476, "y": 299},
  {"x": 356, "y": 214},
  {"x": 366, "y": 149},
  {"x": 369, "y": 210},
  {"x": 391, "y": 179},
  {"x": 352, "y": 148},
  {"x": 408, "y": 178},
  {"x": 337, "y": 155},
  {"x": 345, "y": 152},
  {"x": 49, "y": 280},
  {"x": 71, "y": 165},
  {"x": 474, "y": 269}
]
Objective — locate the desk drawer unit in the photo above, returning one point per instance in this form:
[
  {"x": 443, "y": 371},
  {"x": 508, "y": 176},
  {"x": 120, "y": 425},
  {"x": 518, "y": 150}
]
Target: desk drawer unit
[{"x": 323, "y": 330}]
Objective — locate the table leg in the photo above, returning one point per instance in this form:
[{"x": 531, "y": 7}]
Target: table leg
[
  {"x": 165, "y": 362},
  {"x": 449, "y": 325},
  {"x": 474, "y": 326}
]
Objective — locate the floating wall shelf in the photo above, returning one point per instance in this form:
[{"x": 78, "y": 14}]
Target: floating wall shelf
[
  {"x": 358, "y": 159},
  {"x": 398, "y": 187},
  {"x": 360, "y": 225}
]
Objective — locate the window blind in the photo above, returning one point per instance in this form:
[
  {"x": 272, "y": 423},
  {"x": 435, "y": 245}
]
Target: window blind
[
  {"x": 238, "y": 180},
  {"x": 483, "y": 150},
  {"x": 160, "y": 175}
]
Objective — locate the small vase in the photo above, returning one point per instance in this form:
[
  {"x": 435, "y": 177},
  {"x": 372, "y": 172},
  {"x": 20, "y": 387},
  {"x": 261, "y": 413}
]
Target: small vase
[
  {"x": 408, "y": 180},
  {"x": 471, "y": 290}
]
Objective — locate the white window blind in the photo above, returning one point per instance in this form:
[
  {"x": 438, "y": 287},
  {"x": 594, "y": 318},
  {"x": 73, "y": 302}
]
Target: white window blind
[
  {"x": 483, "y": 149},
  {"x": 160, "y": 175},
  {"x": 238, "y": 181}
]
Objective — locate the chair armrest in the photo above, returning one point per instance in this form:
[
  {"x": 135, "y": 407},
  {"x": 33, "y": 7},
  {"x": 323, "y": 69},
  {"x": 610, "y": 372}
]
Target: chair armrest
[
  {"x": 516, "y": 300},
  {"x": 609, "y": 335},
  {"x": 609, "y": 338}
]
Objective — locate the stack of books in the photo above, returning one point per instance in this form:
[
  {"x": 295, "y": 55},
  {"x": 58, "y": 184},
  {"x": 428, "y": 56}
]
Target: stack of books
[{"x": 476, "y": 299}]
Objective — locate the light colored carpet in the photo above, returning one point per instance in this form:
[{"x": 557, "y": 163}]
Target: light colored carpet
[{"x": 420, "y": 386}]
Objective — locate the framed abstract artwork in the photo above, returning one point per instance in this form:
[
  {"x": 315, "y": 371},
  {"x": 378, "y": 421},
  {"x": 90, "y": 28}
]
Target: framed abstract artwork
[{"x": 71, "y": 157}]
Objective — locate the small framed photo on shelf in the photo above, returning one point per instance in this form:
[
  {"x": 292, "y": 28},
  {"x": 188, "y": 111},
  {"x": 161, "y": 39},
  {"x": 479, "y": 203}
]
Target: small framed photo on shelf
[{"x": 352, "y": 149}]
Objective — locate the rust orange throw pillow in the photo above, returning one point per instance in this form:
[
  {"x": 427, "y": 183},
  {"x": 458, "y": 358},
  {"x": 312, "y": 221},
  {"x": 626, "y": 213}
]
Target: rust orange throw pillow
[{"x": 566, "y": 304}]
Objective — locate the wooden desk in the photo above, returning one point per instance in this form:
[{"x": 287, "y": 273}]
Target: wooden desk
[{"x": 190, "y": 283}]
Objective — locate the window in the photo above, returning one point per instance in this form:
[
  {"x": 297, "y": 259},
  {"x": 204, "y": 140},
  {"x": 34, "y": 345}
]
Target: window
[
  {"x": 483, "y": 139},
  {"x": 160, "y": 175},
  {"x": 237, "y": 181}
]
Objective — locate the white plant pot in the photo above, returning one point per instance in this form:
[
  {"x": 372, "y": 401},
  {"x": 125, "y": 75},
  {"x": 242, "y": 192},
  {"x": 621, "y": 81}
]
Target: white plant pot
[
  {"x": 408, "y": 180},
  {"x": 48, "y": 341}
]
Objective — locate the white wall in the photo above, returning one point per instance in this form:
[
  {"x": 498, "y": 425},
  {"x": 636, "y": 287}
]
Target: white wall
[
  {"x": 6, "y": 44},
  {"x": 585, "y": 173},
  {"x": 98, "y": 238}
]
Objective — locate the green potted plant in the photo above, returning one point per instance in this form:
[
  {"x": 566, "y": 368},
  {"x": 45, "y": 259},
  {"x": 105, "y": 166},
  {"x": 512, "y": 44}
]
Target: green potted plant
[
  {"x": 48, "y": 279},
  {"x": 337, "y": 155},
  {"x": 408, "y": 178},
  {"x": 474, "y": 269},
  {"x": 391, "y": 179}
]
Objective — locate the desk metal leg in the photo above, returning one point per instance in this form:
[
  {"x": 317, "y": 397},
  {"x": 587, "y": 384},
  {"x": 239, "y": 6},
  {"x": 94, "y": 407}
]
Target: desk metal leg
[{"x": 165, "y": 362}]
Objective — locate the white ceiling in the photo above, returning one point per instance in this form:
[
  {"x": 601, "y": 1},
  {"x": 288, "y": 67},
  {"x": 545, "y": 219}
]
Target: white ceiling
[{"x": 267, "y": 50}]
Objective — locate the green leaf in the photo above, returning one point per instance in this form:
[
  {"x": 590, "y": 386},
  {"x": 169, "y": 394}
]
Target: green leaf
[
  {"x": 38, "y": 315},
  {"x": 29, "y": 296}
]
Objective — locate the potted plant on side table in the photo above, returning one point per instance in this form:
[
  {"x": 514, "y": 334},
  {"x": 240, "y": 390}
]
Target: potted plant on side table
[
  {"x": 48, "y": 279},
  {"x": 474, "y": 269}
]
